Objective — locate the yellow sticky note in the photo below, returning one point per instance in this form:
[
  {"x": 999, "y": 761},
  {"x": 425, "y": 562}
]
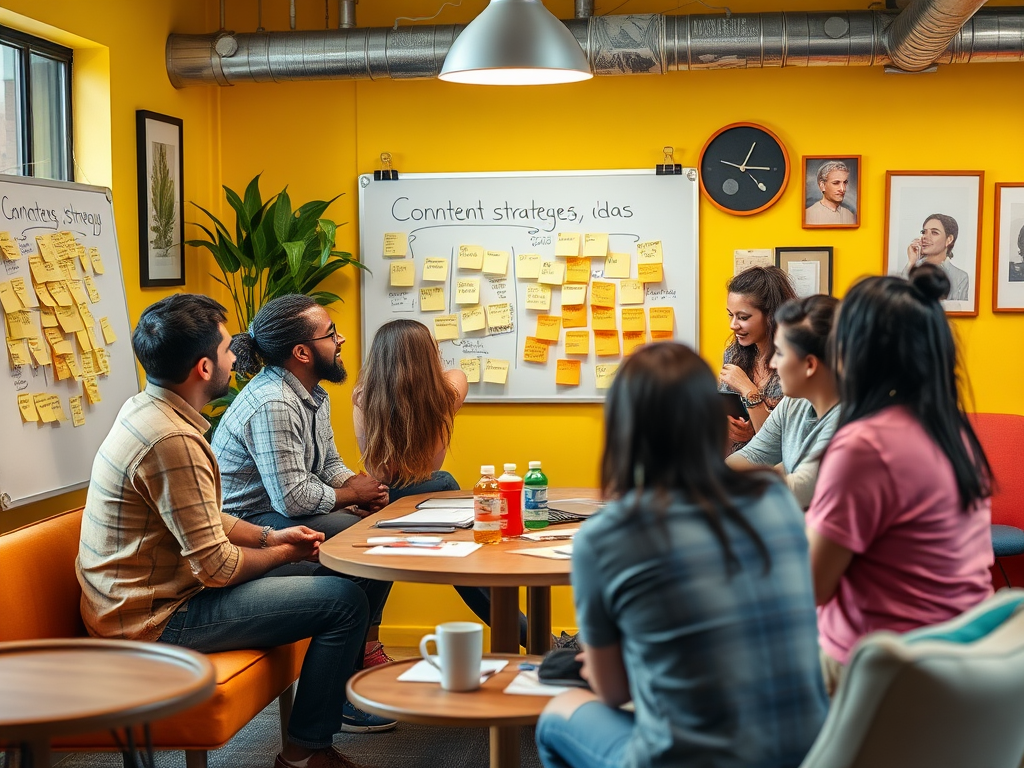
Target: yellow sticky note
[
  {"x": 606, "y": 343},
  {"x": 403, "y": 274},
  {"x": 88, "y": 364},
  {"x": 46, "y": 248},
  {"x": 473, "y": 319},
  {"x": 499, "y": 318},
  {"x": 496, "y": 263},
  {"x": 631, "y": 292},
  {"x": 65, "y": 244},
  {"x": 467, "y": 291},
  {"x": 84, "y": 343},
  {"x": 57, "y": 408},
  {"x": 83, "y": 258},
  {"x": 446, "y": 327},
  {"x": 90, "y": 287},
  {"x": 617, "y": 265},
  {"x": 44, "y": 296},
  {"x": 18, "y": 350},
  {"x": 435, "y": 270},
  {"x": 396, "y": 245},
  {"x": 9, "y": 299},
  {"x": 471, "y": 367},
  {"x": 77, "y": 412},
  {"x": 61, "y": 346},
  {"x": 577, "y": 342},
  {"x": 662, "y": 335},
  {"x": 92, "y": 390},
  {"x": 662, "y": 318},
  {"x": 552, "y": 272},
  {"x": 574, "y": 316},
  {"x": 471, "y": 257},
  {"x": 548, "y": 327},
  {"x": 69, "y": 319},
  {"x": 535, "y": 350},
  {"x": 68, "y": 269},
  {"x": 567, "y": 373},
  {"x": 649, "y": 252},
  {"x": 538, "y": 297},
  {"x": 43, "y": 271},
  {"x": 47, "y": 317},
  {"x": 97, "y": 260},
  {"x": 604, "y": 374},
  {"x": 8, "y": 248},
  {"x": 528, "y": 266},
  {"x": 495, "y": 371},
  {"x": 633, "y": 319},
  {"x": 102, "y": 360},
  {"x": 650, "y": 273},
  {"x": 20, "y": 325},
  {"x": 39, "y": 352},
  {"x": 25, "y": 294},
  {"x": 577, "y": 269},
  {"x": 573, "y": 294},
  {"x": 60, "y": 367},
  {"x": 27, "y": 406},
  {"x": 595, "y": 244},
  {"x": 61, "y": 294},
  {"x": 602, "y": 318},
  {"x": 44, "y": 408},
  {"x": 72, "y": 363},
  {"x": 432, "y": 299},
  {"x": 602, "y": 294},
  {"x": 631, "y": 340},
  {"x": 568, "y": 244}
]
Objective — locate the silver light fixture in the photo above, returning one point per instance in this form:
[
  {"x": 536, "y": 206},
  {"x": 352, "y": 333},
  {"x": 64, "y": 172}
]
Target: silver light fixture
[{"x": 515, "y": 42}]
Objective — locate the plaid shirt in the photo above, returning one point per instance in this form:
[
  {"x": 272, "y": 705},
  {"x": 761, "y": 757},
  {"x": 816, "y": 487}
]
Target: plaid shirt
[
  {"x": 275, "y": 447},
  {"x": 152, "y": 534}
]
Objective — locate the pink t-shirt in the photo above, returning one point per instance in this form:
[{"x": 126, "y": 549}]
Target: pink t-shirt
[{"x": 887, "y": 492}]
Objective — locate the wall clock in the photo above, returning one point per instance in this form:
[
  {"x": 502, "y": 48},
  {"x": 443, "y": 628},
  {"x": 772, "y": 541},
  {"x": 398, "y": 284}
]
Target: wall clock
[{"x": 744, "y": 168}]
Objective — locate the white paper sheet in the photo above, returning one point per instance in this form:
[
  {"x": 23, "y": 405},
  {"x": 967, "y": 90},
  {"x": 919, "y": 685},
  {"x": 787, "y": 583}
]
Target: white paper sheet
[
  {"x": 552, "y": 535},
  {"x": 448, "y": 549},
  {"x": 548, "y": 553},
  {"x": 752, "y": 257},
  {"x": 466, "y": 503},
  {"x": 805, "y": 277},
  {"x": 425, "y": 672},
  {"x": 526, "y": 683},
  {"x": 460, "y": 518}
]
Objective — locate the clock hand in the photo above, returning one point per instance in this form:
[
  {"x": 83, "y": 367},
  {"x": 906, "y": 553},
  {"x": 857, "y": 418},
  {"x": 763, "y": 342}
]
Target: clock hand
[
  {"x": 743, "y": 166},
  {"x": 749, "y": 167},
  {"x": 760, "y": 186}
]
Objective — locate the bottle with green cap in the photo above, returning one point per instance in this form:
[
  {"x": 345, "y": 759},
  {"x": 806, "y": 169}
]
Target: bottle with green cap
[{"x": 535, "y": 498}]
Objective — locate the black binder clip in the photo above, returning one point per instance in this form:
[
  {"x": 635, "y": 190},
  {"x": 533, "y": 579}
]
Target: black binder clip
[
  {"x": 668, "y": 168},
  {"x": 386, "y": 172}
]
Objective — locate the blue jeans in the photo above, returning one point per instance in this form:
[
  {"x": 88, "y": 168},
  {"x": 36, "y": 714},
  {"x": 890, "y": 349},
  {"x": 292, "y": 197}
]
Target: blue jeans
[
  {"x": 439, "y": 481},
  {"x": 594, "y": 737},
  {"x": 267, "y": 612}
]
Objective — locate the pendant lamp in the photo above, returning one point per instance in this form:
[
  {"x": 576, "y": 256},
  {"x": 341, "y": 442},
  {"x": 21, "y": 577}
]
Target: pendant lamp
[{"x": 515, "y": 42}]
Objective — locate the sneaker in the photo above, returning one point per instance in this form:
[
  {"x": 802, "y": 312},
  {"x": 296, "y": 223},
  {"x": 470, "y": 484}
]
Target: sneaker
[
  {"x": 570, "y": 642},
  {"x": 322, "y": 758},
  {"x": 375, "y": 657},
  {"x": 355, "y": 720}
]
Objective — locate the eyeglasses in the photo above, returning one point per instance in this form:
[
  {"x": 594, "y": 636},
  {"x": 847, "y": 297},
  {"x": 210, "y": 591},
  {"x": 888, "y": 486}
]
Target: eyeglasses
[{"x": 332, "y": 333}]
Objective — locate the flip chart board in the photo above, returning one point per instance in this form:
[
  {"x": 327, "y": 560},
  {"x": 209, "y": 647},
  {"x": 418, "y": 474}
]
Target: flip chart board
[
  {"x": 536, "y": 284},
  {"x": 70, "y": 365}
]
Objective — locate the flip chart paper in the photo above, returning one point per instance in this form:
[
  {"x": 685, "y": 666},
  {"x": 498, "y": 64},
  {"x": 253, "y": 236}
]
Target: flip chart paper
[
  {"x": 435, "y": 270},
  {"x": 495, "y": 371},
  {"x": 567, "y": 373},
  {"x": 617, "y": 265}
]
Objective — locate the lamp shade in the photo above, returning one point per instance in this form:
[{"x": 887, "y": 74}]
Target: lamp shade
[{"x": 515, "y": 42}]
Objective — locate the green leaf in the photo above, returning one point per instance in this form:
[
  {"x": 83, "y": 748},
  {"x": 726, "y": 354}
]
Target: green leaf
[
  {"x": 217, "y": 222},
  {"x": 250, "y": 280},
  {"x": 241, "y": 220},
  {"x": 325, "y": 298},
  {"x": 295, "y": 260},
  {"x": 253, "y": 201},
  {"x": 283, "y": 219}
]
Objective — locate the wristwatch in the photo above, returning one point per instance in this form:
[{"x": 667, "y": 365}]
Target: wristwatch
[
  {"x": 263, "y": 535},
  {"x": 756, "y": 398}
]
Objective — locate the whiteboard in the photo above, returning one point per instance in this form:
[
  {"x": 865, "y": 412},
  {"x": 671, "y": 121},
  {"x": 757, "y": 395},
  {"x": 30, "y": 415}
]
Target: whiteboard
[
  {"x": 39, "y": 460},
  {"x": 523, "y": 213}
]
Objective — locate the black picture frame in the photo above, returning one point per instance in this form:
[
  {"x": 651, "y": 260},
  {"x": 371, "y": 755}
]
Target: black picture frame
[
  {"x": 161, "y": 171},
  {"x": 786, "y": 256}
]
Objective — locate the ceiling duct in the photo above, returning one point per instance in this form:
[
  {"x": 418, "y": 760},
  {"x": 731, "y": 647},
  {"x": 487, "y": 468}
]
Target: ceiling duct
[{"x": 626, "y": 45}]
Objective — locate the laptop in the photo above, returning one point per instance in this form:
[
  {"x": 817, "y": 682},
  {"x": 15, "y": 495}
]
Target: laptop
[{"x": 571, "y": 510}]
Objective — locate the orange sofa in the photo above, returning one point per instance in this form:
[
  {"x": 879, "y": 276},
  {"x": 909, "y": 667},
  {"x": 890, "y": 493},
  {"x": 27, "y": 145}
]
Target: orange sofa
[
  {"x": 1002, "y": 437},
  {"x": 39, "y": 598}
]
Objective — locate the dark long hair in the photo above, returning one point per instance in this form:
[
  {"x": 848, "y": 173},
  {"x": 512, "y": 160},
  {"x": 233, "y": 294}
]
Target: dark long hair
[
  {"x": 768, "y": 288},
  {"x": 279, "y": 325},
  {"x": 807, "y": 323},
  {"x": 665, "y": 430},
  {"x": 892, "y": 345}
]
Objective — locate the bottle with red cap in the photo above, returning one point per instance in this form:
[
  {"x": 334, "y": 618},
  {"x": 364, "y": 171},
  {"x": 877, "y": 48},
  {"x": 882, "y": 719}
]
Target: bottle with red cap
[{"x": 510, "y": 485}]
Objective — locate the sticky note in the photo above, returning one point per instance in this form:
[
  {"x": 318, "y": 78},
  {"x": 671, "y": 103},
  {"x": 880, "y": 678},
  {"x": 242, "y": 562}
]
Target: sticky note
[
  {"x": 46, "y": 248},
  {"x": 88, "y": 364},
  {"x": 97, "y": 260},
  {"x": 27, "y": 406},
  {"x": 435, "y": 270},
  {"x": 471, "y": 367},
  {"x": 548, "y": 327},
  {"x": 567, "y": 373},
  {"x": 602, "y": 294},
  {"x": 92, "y": 390},
  {"x": 57, "y": 408},
  {"x": 92, "y": 337},
  {"x": 432, "y": 299},
  {"x": 650, "y": 273},
  {"x": 77, "y": 290},
  {"x": 595, "y": 244},
  {"x": 90, "y": 288},
  {"x": 446, "y": 327},
  {"x": 496, "y": 263},
  {"x": 43, "y": 408},
  {"x": 538, "y": 297},
  {"x": 9, "y": 299},
  {"x": 60, "y": 367},
  {"x": 471, "y": 257},
  {"x": 473, "y": 319},
  {"x": 467, "y": 291},
  {"x": 47, "y": 317},
  {"x": 44, "y": 296},
  {"x": 603, "y": 318},
  {"x": 8, "y": 248},
  {"x": 577, "y": 342},
  {"x": 649, "y": 252},
  {"x": 662, "y": 318},
  {"x": 77, "y": 412},
  {"x": 535, "y": 350},
  {"x": 61, "y": 294},
  {"x": 573, "y": 294},
  {"x": 403, "y": 274},
  {"x": 65, "y": 244},
  {"x": 102, "y": 361},
  {"x": 606, "y": 343},
  {"x": 42, "y": 271},
  {"x": 72, "y": 363},
  {"x": 528, "y": 266},
  {"x": 574, "y": 316},
  {"x": 568, "y": 244},
  {"x": 84, "y": 343},
  {"x": 26, "y": 295},
  {"x": 617, "y": 265},
  {"x": 61, "y": 346},
  {"x": 20, "y": 325},
  {"x": 577, "y": 269},
  {"x": 661, "y": 335},
  {"x": 396, "y": 245},
  {"x": 631, "y": 292},
  {"x": 552, "y": 272},
  {"x": 633, "y": 319},
  {"x": 83, "y": 258},
  {"x": 18, "y": 350},
  {"x": 499, "y": 317},
  {"x": 69, "y": 319},
  {"x": 632, "y": 340},
  {"x": 495, "y": 371},
  {"x": 604, "y": 374},
  {"x": 39, "y": 352}
]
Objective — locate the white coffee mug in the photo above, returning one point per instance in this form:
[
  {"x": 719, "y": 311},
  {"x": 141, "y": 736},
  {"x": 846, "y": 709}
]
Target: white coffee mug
[{"x": 460, "y": 647}]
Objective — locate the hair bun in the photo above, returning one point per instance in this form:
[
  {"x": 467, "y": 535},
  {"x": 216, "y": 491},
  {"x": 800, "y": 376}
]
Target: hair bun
[{"x": 931, "y": 281}]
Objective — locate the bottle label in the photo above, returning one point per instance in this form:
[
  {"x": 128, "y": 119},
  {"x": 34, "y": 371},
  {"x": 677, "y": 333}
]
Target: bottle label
[
  {"x": 536, "y": 498},
  {"x": 489, "y": 514}
]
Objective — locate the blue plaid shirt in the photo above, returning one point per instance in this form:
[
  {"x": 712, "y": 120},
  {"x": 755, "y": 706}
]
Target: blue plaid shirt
[{"x": 275, "y": 447}]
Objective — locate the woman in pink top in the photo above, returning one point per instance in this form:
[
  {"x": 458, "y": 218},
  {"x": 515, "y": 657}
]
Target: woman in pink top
[{"x": 899, "y": 526}]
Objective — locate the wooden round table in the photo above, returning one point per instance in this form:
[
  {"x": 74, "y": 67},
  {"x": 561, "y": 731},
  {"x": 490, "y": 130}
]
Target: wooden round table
[
  {"x": 378, "y": 690},
  {"x": 59, "y": 687}
]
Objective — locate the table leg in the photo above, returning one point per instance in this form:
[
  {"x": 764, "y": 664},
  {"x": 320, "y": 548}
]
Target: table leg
[
  {"x": 37, "y": 754},
  {"x": 505, "y": 747},
  {"x": 504, "y": 619},
  {"x": 538, "y": 614}
]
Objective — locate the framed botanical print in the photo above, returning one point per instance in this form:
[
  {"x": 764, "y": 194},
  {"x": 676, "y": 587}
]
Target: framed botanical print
[{"x": 161, "y": 199}]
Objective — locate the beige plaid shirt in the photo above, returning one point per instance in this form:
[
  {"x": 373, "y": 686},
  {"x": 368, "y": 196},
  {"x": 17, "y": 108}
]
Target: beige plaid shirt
[{"x": 153, "y": 533}]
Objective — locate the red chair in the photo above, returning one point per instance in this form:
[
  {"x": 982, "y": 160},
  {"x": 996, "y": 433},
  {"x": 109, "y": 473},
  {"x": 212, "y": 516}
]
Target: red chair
[{"x": 1002, "y": 437}]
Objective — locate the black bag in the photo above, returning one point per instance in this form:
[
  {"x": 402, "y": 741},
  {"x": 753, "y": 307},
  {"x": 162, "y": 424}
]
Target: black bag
[{"x": 561, "y": 668}]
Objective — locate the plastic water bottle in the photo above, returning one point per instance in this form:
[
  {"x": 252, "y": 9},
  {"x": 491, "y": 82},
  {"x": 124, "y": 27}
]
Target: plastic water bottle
[
  {"x": 511, "y": 486},
  {"x": 488, "y": 508},
  {"x": 535, "y": 498}
]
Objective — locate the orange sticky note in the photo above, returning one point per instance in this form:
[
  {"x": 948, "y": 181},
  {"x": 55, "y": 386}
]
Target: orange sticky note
[
  {"x": 602, "y": 294},
  {"x": 633, "y": 319},
  {"x": 568, "y": 244},
  {"x": 577, "y": 269},
  {"x": 535, "y": 350},
  {"x": 661, "y": 335},
  {"x": 631, "y": 340},
  {"x": 567, "y": 373},
  {"x": 577, "y": 342},
  {"x": 603, "y": 319},
  {"x": 548, "y": 327},
  {"x": 574, "y": 316},
  {"x": 650, "y": 273},
  {"x": 606, "y": 343},
  {"x": 662, "y": 318}
]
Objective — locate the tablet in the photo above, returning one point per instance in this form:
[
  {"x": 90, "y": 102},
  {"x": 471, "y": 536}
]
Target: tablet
[{"x": 734, "y": 405}]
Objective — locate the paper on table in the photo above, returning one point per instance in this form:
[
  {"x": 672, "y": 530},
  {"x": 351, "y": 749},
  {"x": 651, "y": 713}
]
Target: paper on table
[
  {"x": 466, "y": 502},
  {"x": 560, "y": 533},
  {"x": 548, "y": 553},
  {"x": 526, "y": 683},
  {"x": 448, "y": 549},
  {"x": 425, "y": 672},
  {"x": 462, "y": 518}
]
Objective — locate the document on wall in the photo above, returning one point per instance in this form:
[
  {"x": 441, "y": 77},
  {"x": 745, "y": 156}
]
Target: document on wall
[
  {"x": 806, "y": 277},
  {"x": 745, "y": 258}
]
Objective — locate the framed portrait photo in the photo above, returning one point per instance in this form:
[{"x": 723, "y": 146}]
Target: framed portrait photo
[
  {"x": 935, "y": 216},
  {"x": 809, "y": 268},
  {"x": 1008, "y": 262},
  {"x": 161, "y": 199},
  {"x": 831, "y": 191}
]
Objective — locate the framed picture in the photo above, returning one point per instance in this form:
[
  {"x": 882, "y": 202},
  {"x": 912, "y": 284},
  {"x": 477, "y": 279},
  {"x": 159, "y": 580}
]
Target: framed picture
[
  {"x": 935, "y": 216},
  {"x": 1008, "y": 262},
  {"x": 831, "y": 191},
  {"x": 809, "y": 268},
  {"x": 161, "y": 199}
]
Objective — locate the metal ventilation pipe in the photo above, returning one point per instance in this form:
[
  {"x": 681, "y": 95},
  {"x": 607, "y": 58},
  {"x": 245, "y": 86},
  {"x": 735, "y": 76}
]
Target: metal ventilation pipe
[
  {"x": 919, "y": 35},
  {"x": 615, "y": 45},
  {"x": 346, "y": 14},
  {"x": 584, "y": 9}
]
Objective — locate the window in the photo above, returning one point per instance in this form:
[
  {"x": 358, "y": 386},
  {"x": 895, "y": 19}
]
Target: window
[{"x": 35, "y": 124}]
